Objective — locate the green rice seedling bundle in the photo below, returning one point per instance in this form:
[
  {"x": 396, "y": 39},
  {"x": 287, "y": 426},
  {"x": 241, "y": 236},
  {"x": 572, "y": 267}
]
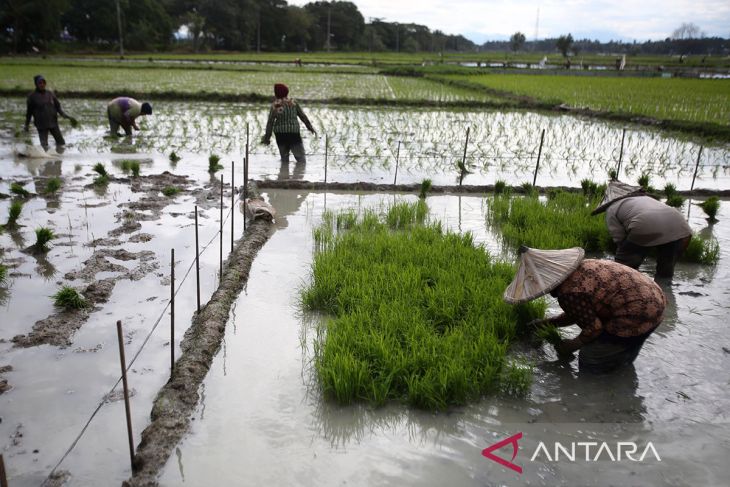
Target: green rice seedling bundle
[
  {"x": 3, "y": 275},
  {"x": 711, "y": 206},
  {"x": 702, "y": 251},
  {"x": 19, "y": 190},
  {"x": 16, "y": 207},
  {"x": 103, "y": 177},
  {"x": 669, "y": 190},
  {"x": 529, "y": 189},
  {"x": 500, "y": 187},
  {"x": 174, "y": 157},
  {"x": 644, "y": 180},
  {"x": 676, "y": 200},
  {"x": 170, "y": 191},
  {"x": 613, "y": 174},
  {"x": 416, "y": 315},
  {"x": 134, "y": 167},
  {"x": 563, "y": 221},
  {"x": 213, "y": 163},
  {"x": 403, "y": 215},
  {"x": 43, "y": 236},
  {"x": 549, "y": 333},
  {"x": 53, "y": 185},
  {"x": 69, "y": 299},
  {"x": 126, "y": 166},
  {"x": 425, "y": 188},
  {"x": 516, "y": 379}
]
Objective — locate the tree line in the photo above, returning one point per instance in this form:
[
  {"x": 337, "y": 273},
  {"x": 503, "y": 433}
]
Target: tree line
[{"x": 241, "y": 25}]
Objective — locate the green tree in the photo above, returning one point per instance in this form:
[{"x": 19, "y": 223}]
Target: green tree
[
  {"x": 25, "y": 24},
  {"x": 564, "y": 43},
  {"x": 517, "y": 41},
  {"x": 346, "y": 24}
]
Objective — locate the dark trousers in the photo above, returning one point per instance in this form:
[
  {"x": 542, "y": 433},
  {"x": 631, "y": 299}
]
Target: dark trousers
[
  {"x": 55, "y": 131},
  {"x": 632, "y": 255},
  {"x": 609, "y": 352},
  {"x": 290, "y": 143}
]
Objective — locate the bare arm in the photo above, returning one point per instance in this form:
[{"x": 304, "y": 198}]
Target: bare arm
[{"x": 307, "y": 123}]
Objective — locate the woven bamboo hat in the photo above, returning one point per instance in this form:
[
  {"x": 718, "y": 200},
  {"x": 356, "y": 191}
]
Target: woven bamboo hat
[
  {"x": 541, "y": 271},
  {"x": 616, "y": 190}
]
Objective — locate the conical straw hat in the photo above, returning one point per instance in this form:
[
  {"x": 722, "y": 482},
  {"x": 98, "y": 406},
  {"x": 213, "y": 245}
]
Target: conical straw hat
[
  {"x": 616, "y": 190},
  {"x": 541, "y": 271}
]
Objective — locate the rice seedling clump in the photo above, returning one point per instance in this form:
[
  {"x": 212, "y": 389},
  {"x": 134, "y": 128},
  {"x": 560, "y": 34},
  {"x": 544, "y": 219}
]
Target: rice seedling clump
[
  {"x": 563, "y": 221},
  {"x": 213, "y": 163},
  {"x": 710, "y": 207},
  {"x": 53, "y": 185},
  {"x": 702, "y": 251},
  {"x": 500, "y": 187},
  {"x": 170, "y": 191},
  {"x": 675, "y": 200},
  {"x": 103, "y": 177},
  {"x": 16, "y": 207},
  {"x": 3, "y": 275},
  {"x": 19, "y": 190},
  {"x": 416, "y": 313},
  {"x": 43, "y": 236},
  {"x": 69, "y": 298},
  {"x": 425, "y": 188},
  {"x": 174, "y": 157}
]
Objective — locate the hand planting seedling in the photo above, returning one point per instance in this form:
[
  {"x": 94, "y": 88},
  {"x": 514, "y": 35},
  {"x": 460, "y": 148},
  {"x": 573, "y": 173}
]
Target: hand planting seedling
[{"x": 69, "y": 299}]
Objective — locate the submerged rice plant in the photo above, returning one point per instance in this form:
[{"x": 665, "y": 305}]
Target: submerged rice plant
[
  {"x": 711, "y": 206},
  {"x": 563, "y": 221},
  {"x": 702, "y": 251},
  {"x": 43, "y": 236},
  {"x": 69, "y": 298},
  {"x": 416, "y": 314}
]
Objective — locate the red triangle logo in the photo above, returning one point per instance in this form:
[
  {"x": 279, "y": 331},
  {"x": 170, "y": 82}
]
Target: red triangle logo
[{"x": 487, "y": 452}]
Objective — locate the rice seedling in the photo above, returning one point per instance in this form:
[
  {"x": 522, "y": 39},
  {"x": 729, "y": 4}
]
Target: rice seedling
[
  {"x": 591, "y": 188},
  {"x": 563, "y": 221},
  {"x": 43, "y": 236},
  {"x": 425, "y": 188},
  {"x": 711, "y": 206},
  {"x": 174, "y": 158},
  {"x": 103, "y": 177},
  {"x": 69, "y": 299},
  {"x": 16, "y": 207},
  {"x": 100, "y": 169},
  {"x": 52, "y": 185},
  {"x": 675, "y": 201},
  {"x": 499, "y": 186},
  {"x": 3, "y": 275},
  {"x": 669, "y": 190},
  {"x": 613, "y": 175},
  {"x": 170, "y": 191},
  {"x": 548, "y": 333},
  {"x": 213, "y": 163},
  {"x": 702, "y": 251},
  {"x": 516, "y": 379},
  {"x": 644, "y": 180},
  {"x": 18, "y": 190},
  {"x": 529, "y": 189},
  {"x": 403, "y": 215},
  {"x": 416, "y": 315},
  {"x": 126, "y": 166},
  {"x": 134, "y": 167}
]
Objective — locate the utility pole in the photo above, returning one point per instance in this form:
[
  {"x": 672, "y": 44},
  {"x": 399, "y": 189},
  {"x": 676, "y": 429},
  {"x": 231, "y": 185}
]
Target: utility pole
[
  {"x": 258, "y": 31},
  {"x": 119, "y": 26},
  {"x": 329, "y": 21}
]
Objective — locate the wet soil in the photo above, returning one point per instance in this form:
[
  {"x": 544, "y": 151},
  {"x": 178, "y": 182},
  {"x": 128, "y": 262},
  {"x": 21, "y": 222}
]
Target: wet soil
[{"x": 178, "y": 398}]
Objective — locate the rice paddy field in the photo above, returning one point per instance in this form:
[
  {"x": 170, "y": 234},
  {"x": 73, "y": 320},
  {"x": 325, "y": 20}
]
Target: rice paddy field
[
  {"x": 370, "y": 345},
  {"x": 695, "y": 100}
]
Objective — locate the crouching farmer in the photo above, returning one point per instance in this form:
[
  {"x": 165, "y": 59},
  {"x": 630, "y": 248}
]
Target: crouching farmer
[
  {"x": 123, "y": 111},
  {"x": 615, "y": 306}
]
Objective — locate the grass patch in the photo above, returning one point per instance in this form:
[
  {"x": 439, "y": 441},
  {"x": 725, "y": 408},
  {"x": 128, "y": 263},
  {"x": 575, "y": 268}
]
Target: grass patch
[
  {"x": 548, "y": 333},
  {"x": 69, "y": 299},
  {"x": 417, "y": 313},
  {"x": 170, "y": 191},
  {"x": 213, "y": 163},
  {"x": 500, "y": 187},
  {"x": 702, "y": 251},
  {"x": 18, "y": 190},
  {"x": 563, "y": 221},
  {"x": 43, "y": 236},
  {"x": 711, "y": 206}
]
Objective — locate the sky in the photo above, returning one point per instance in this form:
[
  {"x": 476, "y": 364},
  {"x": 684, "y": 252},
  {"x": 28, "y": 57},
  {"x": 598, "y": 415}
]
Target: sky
[{"x": 625, "y": 20}]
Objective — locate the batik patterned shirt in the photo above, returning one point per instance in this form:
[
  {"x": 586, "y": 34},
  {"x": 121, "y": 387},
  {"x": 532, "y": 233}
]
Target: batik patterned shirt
[
  {"x": 604, "y": 296},
  {"x": 283, "y": 118}
]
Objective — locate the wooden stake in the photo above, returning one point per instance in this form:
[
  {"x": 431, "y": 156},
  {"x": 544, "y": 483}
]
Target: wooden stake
[
  {"x": 539, "y": 153},
  {"x": 697, "y": 166},
  {"x": 172, "y": 311},
  {"x": 220, "y": 274},
  {"x": 233, "y": 201},
  {"x": 326, "y": 154},
  {"x": 123, "y": 363},
  {"x": 197, "y": 258},
  {"x": 397, "y": 156},
  {"x": 463, "y": 159},
  {"x": 245, "y": 181},
  {"x": 620, "y": 154}
]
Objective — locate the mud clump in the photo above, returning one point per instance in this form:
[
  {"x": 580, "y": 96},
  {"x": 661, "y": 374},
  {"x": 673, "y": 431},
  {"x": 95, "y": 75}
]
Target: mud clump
[
  {"x": 176, "y": 401},
  {"x": 4, "y": 385}
]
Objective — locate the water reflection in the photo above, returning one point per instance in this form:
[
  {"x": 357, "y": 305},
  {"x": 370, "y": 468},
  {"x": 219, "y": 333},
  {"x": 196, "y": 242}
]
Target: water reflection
[{"x": 284, "y": 174}]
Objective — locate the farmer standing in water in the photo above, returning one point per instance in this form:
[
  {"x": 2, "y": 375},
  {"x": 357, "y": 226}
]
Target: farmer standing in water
[
  {"x": 44, "y": 108},
  {"x": 285, "y": 126},
  {"x": 615, "y": 306}
]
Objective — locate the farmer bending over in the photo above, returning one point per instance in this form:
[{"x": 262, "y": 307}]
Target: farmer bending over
[
  {"x": 283, "y": 122},
  {"x": 44, "y": 108},
  {"x": 123, "y": 111},
  {"x": 615, "y": 306},
  {"x": 637, "y": 222}
]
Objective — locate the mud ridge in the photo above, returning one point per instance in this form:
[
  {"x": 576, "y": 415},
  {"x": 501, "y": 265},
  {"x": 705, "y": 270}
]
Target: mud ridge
[{"x": 176, "y": 401}]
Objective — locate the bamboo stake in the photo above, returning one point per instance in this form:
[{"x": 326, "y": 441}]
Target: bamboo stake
[
  {"x": 326, "y": 154},
  {"x": 463, "y": 159},
  {"x": 197, "y": 258},
  {"x": 220, "y": 274},
  {"x": 620, "y": 154},
  {"x": 233, "y": 201},
  {"x": 397, "y": 156},
  {"x": 697, "y": 166},
  {"x": 172, "y": 311},
  {"x": 123, "y": 364},
  {"x": 539, "y": 153},
  {"x": 245, "y": 180}
]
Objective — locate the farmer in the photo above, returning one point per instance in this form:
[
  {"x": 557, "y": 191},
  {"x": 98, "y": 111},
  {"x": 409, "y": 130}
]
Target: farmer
[
  {"x": 44, "y": 108},
  {"x": 123, "y": 111},
  {"x": 283, "y": 122},
  {"x": 637, "y": 223},
  {"x": 615, "y": 306}
]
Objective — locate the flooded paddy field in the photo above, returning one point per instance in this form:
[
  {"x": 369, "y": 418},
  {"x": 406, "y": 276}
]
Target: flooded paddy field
[{"x": 261, "y": 419}]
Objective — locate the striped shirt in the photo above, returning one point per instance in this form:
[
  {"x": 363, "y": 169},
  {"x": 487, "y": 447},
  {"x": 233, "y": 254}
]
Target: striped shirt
[{"x": 283, "y": 118}]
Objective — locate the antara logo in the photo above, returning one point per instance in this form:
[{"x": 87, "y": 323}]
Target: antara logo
[{"x": 589, "y": 451}]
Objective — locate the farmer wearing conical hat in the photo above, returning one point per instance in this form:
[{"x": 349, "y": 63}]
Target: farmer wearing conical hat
[
  {"x": 615, "y": 306},
  {"x": 285, "y": 126},
  {"x": 637, "y": 223}
]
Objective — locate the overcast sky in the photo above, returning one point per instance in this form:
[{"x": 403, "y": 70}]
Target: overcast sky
[{"x": 601, "y": 19}]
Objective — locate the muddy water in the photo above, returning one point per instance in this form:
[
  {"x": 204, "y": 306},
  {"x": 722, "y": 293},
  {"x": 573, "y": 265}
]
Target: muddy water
[{"x": 263, "y": 422}]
